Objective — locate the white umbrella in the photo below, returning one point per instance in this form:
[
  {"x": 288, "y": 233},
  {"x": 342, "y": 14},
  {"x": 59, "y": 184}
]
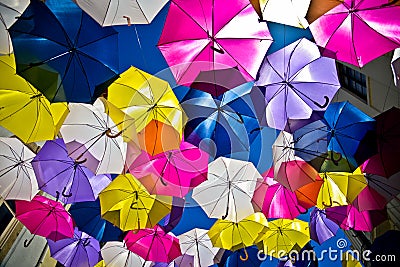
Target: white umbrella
[
  {"x": 396, "y": 67},
  {"x": 17, "y": 178},
  {"x": 99, "y": 136},
  {"x": 117, "y": 12},
  {"x": 229, "y": 189},
  {"x": 197, "y": 243},
  {"x": 10, "y": 10},
  {"x": 116, "y": 254}
]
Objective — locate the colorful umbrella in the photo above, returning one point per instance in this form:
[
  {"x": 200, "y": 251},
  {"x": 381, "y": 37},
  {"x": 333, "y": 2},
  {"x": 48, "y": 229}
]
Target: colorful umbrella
[
  {"x": 297, "y": 80},
  {"x": 145, "y": 97},
  {"x": 234, "y": 236},
  {"x": 290, "y": 170},
  {"x": 321, "y": 227},
  {"x": 173, "y": 172},
  {"x": 10, "y": 10},
  {"x": 22, "y": 102},
  {"x": 384, "y": 163},
  {"x": 81, "y": 250},
  {"x": 66, "y": 62},
  {"x": 98, "y": 135},
  {"x": 217, "y": 82},
  {"x": 153, "y": 244},
  {"x": 229, "y": 189},
  {"x": 358, "y": 31},
  {"x": 114, "y": 12},
  {"x": 65, "y": 178},
  {"x": 17, "y": 178},
  {"x": 307, "y": 195},
  {"x": 87, "y": 217},
  {"x": 284, "y": 235},
  {"x": 330, "y": 144},
  {"x": 369, "y": 199},
  {"x": 44, "y": 217},
  {"x": 197, "y": 243},
  {"x": 319, "y": 7},
  {"x": 171, "y": 220},
  {"x": 212, "y": 38},
  {"x": 116, "y": 254},
  {"x": 388, "y": 188},
  {"x": 126, "y": 203}
]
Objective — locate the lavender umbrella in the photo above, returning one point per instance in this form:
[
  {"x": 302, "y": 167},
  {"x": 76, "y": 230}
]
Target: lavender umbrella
[
  {"x": 297, "y": 81},
  {"x": 81, "y": 250},
  {"x": 65, "y": 178},
  {"x": 321, "y": 228}
]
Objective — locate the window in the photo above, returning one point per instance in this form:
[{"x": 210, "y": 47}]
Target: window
[
  {"x": 7, "y": 220},
  {"x": 353, "y": 80}
]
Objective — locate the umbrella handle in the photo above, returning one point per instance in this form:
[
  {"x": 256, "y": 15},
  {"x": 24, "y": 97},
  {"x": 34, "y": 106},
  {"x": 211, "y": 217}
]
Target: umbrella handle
[
  {"x": 86, "y": 242},
  {"x": 218, "y": 50},
  {"x": 28, "y": 242},
  {"x": 108, "y": 133},
  {"x": 162, "y": 181},
  {"x": 323, "y": 105},
  {"x": 128, "y": 19},
  {"x": 255, "y": 129},
  {"x": 336, "y": 161},
  {"x": 326, "y": 205},
  {"x": 57, "y": 195},
  {"x": 64, "y": 194},
  {"x": 77, "y": 161},
  {"x": 246, "y": 255}
]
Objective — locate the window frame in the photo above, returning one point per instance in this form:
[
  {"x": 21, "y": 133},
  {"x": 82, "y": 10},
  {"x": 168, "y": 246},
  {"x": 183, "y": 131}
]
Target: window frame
[
  {"x": 10, "y": 227},
  {"x": 341, "y": 68}
]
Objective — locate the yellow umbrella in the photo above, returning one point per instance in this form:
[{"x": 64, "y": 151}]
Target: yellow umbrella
[
  {"x": 233, "y": 236},
  {"x": 100, "y": 264},
  {"x": 283, "y": 236},
  {"x": 348, "y": 260},
  {"x": 145, "y": 97},
  {"x": 126, "y": 203},
  {"x": 25, "y": 111},
  {"x": 340, "y": 188}
]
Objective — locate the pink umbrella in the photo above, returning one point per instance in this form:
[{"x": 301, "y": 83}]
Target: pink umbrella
[
  {"x": 276, "y": 201},
  {"x": 153, "y": 244},
  {"x": 44, "y": 217},
  {"x": 213, "y": 35},
  {"x": 358, "y": 31},
  {"x": 172, "y": 173},
  {"x": 348, "y": 217}
]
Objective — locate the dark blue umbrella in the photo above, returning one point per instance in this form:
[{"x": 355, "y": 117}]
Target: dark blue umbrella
[
  {"x": 63, "y": 52},
  {"x": 88, "y": 219}
]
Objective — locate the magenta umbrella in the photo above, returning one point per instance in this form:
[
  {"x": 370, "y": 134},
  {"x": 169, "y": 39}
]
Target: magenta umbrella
[
  {"x": 172, "y": 173},
  {"x": 153, "y": 244},
  {"x": 44, "y": 217},
  {"x": 321, "y": 228},
  {"x": 213, "y": 35},
  {"x": 297, "y": 81},
  {"x": 358, "y": 31}
]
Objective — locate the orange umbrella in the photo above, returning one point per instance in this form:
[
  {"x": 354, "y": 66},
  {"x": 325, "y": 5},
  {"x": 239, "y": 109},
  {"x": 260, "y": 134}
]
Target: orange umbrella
[
  {"x": 307, "y": 195},
  {"x": 319, "y": 7},
  {"x": 158, "y": 137}
]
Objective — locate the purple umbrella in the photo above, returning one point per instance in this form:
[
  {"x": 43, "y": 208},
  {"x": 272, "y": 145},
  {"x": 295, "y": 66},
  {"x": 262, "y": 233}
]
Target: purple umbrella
[
  {"x": 297, "y": 81},
  {"x": 321, "y": 228},
  {"x": 81, "y": 250},
  {"x": 65, "y": 178},
  {"x": 169, "y": 222}
]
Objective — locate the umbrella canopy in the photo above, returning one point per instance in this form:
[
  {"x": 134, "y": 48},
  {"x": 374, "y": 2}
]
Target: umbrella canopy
[
  {"x": 22, "y": 102},
  {"x": 307, "y": 195},
  {"x": 228, "y": 191},
  {"x": 66, "y": 62},
  {"x": 81, "y": 250},
  {"x": 45, "y": 217},
  {"x": 321, "y": 228},
  {"x": 358, "y": 31},
  {"x": 286, "y": 12},
  {"x": 348, "y": 260},
  {"x": 225, "y": 121},
  {"x": 330, "y": 144},
  {"x": 284, "y": 235},
  {"x": 99, "y": 135},
  {"x": 173, "y": 172},
  {"x": 65, "y": 178},
  {"x": 114, "y": 12},
  {"x": 297, "y": 80},
  {"x": 340, "y": 188},
  {"x": 145, "y": 97},
  {"x": 369, "y": 199},
  {"x": 171, "y": 220},
  {"x": 211, "y": 38},
  {"x": 234, "y": 236},
  {"x": 10, "y": 10},
  {"x": 197, "y": 243},
  {"x": 319, "y": 7},
  {"x": 388, "y": 188},
  {"x": 388, "y": 142},
  {"x": 116, "y": 254},
  {"x": 126, "y": 203},
  {"x": 348, "y": 217},
  {"x": 217, "y": 82},
  {"x": 87, "y": 217},
  {"x": 290, "y": 170},
  {"x": 17, "y": 178},
  {"x": 154, "y": 244},
  {"x": 396, "y": 67}
]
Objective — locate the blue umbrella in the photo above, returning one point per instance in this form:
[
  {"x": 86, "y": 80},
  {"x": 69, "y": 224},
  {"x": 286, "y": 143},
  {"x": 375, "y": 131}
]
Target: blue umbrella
[
  {"x": 88, "y": 219},
  {"x": 73, "y": 60}
]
